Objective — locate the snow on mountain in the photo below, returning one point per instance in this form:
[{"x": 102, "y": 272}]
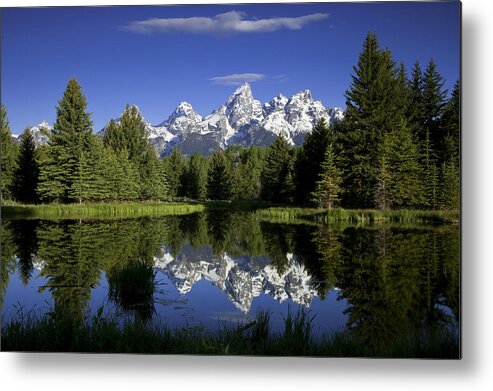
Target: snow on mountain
[
  {"x": 242, "y": 109},
  {"x": 39, "y": 135},
  {"x": 244, "y": 120},
  {"x": 241, "y": 278},
  {"x": 182, "y": 121},
  {"x": 241, "y": 120}
]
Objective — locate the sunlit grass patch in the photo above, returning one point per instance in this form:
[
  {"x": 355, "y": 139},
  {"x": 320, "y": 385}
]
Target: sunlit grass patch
[
  {"x": 98, "y": 211},
  {"x": 327, "y": 216}
]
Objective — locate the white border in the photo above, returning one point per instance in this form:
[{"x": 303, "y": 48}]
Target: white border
[{"x": 473, "y": 372}]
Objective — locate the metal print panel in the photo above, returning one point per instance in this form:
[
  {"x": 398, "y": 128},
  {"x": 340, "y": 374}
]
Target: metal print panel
[{"x": 254, "y": 179}]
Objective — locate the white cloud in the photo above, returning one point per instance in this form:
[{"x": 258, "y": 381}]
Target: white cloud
[
  {"x": 237, "y": 79},
  {"x": 222, "y": 24}
]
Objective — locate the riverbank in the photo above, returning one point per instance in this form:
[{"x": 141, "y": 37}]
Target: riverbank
[{"x": 54, "y": 333}]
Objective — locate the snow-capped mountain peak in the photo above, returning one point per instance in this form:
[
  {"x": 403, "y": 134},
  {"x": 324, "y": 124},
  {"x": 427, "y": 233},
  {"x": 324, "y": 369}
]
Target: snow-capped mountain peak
[
  {"x": 242, "y": 109},
  {"x": 240, "y": 120},
  {"x": 184, "y": 109},
  {"x": 240, "y": 278},
  {"x": 244, "y": 89}
]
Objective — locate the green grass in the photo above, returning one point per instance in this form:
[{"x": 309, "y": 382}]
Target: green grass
[
  {"x": 95, "y": 211},
  {"x": 264, "y": 211},
  {"x": 324, "y": 216},
  {"x": 56, "y": 333}
]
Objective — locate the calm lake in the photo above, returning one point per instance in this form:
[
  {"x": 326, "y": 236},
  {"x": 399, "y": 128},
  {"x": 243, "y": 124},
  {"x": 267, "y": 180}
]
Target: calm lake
[{"x": 216, "y": 268}]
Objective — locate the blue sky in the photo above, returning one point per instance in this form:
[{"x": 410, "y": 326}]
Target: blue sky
[{"x": 158, "y": 56}]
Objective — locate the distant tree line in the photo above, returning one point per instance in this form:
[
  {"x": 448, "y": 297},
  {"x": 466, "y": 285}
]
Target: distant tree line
[{"x": 398, "y": 146}]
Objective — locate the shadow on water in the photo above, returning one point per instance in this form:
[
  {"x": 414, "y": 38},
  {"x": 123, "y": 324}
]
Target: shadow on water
[{"x": 396, "y": 280}]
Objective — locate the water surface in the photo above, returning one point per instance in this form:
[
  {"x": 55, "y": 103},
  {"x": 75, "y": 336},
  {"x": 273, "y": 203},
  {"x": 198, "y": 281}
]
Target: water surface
[{"x": 210, "y": 269}]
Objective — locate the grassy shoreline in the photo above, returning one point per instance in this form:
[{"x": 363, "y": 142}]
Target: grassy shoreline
[
  {"x": 55, "y": 333},
  {"x": 263, "y": 211},
  {"x": 323, "y": 216},
  {"x": 98, "y": 211}
]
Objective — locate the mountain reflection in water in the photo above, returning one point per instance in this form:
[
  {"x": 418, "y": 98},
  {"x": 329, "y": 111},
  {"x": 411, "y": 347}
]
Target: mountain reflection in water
[{"x": 389, "y": 278}]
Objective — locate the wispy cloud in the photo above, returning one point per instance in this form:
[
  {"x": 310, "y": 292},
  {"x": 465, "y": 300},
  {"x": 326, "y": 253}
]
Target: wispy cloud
[
  {"x": 232, "y": 22},
  {"x": 280, "y": 78},
  {"x": 237, "y": 78}
]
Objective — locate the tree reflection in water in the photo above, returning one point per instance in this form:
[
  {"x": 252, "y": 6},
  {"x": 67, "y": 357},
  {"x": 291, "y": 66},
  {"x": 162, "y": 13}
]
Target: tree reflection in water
[{"x": 396, "y": 279}]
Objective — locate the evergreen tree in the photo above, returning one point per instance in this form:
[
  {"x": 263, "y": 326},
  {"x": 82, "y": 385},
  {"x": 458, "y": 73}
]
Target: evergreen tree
[
  {"x": 8, "y": 154},
  {"x": 402, "y": 92},
  {"x": 218, "y": 178},
  {"x": 430, "y": 175},
  {"x": 308, "y": 162},
  {"x": 174, "y": 166},
  {"x": 434, "y": 97},
  {"x": 253, "y": 168},
  {"x": 130, "y": 183},
  {"x": 276, "y": 171},
  {"x": 415, "y": 111},
  {"x": 327, "y": 188},
  {"x": 62, "y": 172},
  {"x": 450, "y": 194},
  {"x": 451, "y": 125},
  {"x": 121, "y": 177},
  {"x": 129, "y": 134},
  {"x": 113, "y": 174},
  {"x": 288, "y": 188},
  {"x": 375, "y": 107},
  {"x": 129, "y": 140},
  {"x": 382, "y": 196},
  {"x": 154, "y": 179},
  {"x": 196, "y": 181},
  {"x": 27, "y": 170},
  {"x": 399, "y": 167},
  {"x": 91, "y": 182},
  {"x": 114, "y": 138}
]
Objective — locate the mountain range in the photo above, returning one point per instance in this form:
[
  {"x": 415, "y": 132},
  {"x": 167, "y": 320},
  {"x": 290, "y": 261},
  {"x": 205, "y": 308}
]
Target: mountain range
[
  {"x": 241, "y": 120},
  {"x": 242, "y": 278}
]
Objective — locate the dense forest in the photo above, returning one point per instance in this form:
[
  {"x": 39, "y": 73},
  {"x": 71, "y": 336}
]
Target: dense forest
[{"x": 398, "y": 146}]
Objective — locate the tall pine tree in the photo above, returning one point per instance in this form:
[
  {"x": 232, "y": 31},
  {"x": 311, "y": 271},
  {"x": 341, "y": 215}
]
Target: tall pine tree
[
  {"x": 309, "y": 159},
  {"x": 375, "y": 107},
  {"x": 434, "y": 98},
  {"x": 175, "y": 166},
  {"x": 415, "y": 110},
  {"x": 128, "y": 134},
  {"x": 219, "y": 177},
  {"x": 450, "y": 189},
  {"x": 399, "y": 171},
  {"x": 276, "y": 170},
  {"x": 430, "y": 175},
  {"x": 154, "y": 179},
  {"x": 196, "y": 177},
  {"x": 327, "y": 188},
  {"x": 27, "y": 170},
  {"x": 8, "y": 154},
  {"x": 65, "y": 167},
  {"x": 451, "y": 126}
]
